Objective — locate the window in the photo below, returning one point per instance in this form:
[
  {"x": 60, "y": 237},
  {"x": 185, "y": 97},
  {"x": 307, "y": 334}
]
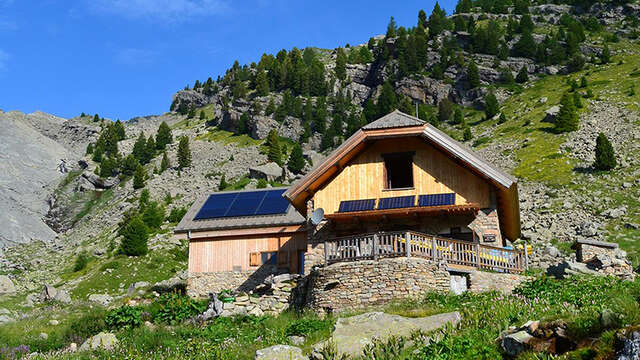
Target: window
[
  {"x": 398, "y": 170},
  {"x": 254, "y": 259},
  {"x": 269, "y": 258}
]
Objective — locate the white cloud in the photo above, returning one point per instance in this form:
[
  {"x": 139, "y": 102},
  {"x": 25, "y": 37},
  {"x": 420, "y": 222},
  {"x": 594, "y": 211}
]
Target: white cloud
[
  {"x": 4, "y": 59},
  {"x": 163, "y": 10},
  {"x": 133, "y": 56}
]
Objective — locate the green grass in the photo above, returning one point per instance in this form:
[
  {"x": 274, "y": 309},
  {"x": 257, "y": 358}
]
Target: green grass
[
  {"x": 227, "y": 137},
  {"x": 99, "y": 198}
]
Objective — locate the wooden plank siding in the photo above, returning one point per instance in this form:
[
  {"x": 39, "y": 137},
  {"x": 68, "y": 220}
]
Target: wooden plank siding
[
  {"x": 433, "y": 173},
  {"x": 233, "y": 253}
]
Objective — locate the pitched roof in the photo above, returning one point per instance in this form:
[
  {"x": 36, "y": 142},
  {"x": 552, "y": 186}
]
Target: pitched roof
[
  {"x": 290, "y": 217},
  {"x": 397, "y": 124},
  {"x": 395, "y": 119}
]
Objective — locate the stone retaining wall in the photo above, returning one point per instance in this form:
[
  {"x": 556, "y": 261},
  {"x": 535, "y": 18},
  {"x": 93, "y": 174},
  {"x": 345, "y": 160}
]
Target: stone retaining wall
[
  {"x": 364, "y": 283},
  {"x": 480, "y": 281},
  {"x": 199, "y": 285}
]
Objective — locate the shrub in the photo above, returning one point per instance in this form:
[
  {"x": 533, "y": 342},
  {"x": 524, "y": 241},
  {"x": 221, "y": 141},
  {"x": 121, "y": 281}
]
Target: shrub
[
  {"x": 175, "y": 307},
  {"x": 466, "y": 135},
  {"x": 605, "y": 156},
  {"x": 135, "y": 235},
  {"x": 81, "y": 261},
  {"x": 306, "y": 326},
  {"x": 176, "y": 214},
  {"x": 262, "y": 183},
  {"x": 124, "y": 317}
]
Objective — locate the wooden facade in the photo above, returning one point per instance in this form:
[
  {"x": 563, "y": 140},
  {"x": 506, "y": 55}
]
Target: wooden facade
[
  {"x": 247, "y": 252},
  {"x": 433, "y": 173}
]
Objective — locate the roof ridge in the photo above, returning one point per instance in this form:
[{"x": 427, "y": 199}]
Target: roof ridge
[{"x": 394, "y": 119}]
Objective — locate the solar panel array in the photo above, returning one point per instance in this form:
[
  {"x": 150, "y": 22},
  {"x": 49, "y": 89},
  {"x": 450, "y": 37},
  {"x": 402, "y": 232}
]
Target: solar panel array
[
  {"x": 246, "y": 203},
  {"x": 357, "y": 205},
  {"x": 397, "y": 202},
  {"x": 437, "y": 199}
]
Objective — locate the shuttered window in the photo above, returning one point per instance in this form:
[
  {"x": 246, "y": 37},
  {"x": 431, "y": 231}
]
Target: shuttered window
[{"x": 254, "y": 259}]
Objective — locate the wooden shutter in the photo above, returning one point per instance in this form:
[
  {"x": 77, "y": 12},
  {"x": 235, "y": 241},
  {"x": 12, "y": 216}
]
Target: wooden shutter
[{"x": 254, "y": 259}]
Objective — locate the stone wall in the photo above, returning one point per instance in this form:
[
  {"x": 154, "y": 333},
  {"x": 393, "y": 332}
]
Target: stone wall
[
  {"x": 480, "y": 281},
  {"x": 199, "y": 285},
  {"x": 269, "y": 299},
  {"x": 350, "y": 285}
]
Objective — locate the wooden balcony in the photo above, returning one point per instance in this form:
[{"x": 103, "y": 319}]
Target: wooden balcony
[{"x": 458, "y": 253}]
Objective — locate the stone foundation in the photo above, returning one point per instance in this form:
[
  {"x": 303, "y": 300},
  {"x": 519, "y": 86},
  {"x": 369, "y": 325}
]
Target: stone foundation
[
  {"x": 481, "y": 281},
  {"x": 364, "y": 283},
  {"x": 199, "y": 285},
  {"x": 486, "y": 225}
]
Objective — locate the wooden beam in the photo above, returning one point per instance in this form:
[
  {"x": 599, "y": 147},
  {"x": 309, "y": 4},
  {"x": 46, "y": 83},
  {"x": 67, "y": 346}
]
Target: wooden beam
[{"x": 275, "y": 230}]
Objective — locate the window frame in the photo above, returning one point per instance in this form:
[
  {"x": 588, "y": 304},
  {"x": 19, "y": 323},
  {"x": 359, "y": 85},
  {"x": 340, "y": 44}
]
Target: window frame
[{"x": 386, "y": 186}]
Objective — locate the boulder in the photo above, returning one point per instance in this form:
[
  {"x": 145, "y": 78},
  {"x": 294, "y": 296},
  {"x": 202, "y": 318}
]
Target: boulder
[
  {"x": 135, "y": 286},
  {"x": 99, "y": 182},
  {"x": 213, "y": 310},
  {"x": 102, "y": 299},
  {"x": 352, "y": 334},
  {"x": 259, "y": 126},
  {"x": 514, "y": 344},
  {"x": 50, "y": 293},
  {"x": 296, "y": 340},
  {"x": 102, "y": 341},
  {"x": 269, "y": 171},
  {"x": 424, "y": 90},
  {"x": 6, "y": 285},
  {"x": 551, "y": 113},
  {"x": 5, "y": 316},
  {"x": 280, "y": 352},
  {"x": 629, "y": 348},
  {"x": 189, "y": 99},
  {"x": 587, "y": 228}
]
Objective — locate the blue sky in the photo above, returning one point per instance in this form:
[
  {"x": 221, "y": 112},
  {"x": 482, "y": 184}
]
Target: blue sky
[{"x": 125, "y": 58}]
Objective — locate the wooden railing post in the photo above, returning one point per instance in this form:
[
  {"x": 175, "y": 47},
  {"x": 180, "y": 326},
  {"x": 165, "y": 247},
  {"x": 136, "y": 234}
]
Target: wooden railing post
[
  {"x": 326, "y": 253},
  {"x": 478, "y": 255},
  {"x": 526, "y": 256},
  {"x": 375, "y": 246},
  {"x": 407, "y": 244}
]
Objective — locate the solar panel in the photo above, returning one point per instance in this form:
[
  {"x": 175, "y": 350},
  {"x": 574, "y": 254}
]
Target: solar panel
[
  {"x": 273, "y": 203},
  {"x": 249, "y": 203},
  {"x": 357, "y": 205},
  {"x": 397, "y": 202},
  {"x": 245, "y": 203},
  {"x": 437, "y": 199},
  {"x": 215, "y": 206}
]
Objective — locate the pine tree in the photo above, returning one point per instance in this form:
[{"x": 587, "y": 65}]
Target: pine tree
[
  {"x": 583, "y": 82},
  {"x": 391, "y": 28},
  {"x": 135, "y": 235},
  {"x": 108, "y": 167},
  {"x": 296, "y": 160},
  {"x": 523, "y": 75},
  {"x": 89, "y": 150},
  {"x": 458, "y": 117},
  {"x": 567, "y": 118},
  {"x": 262, "y": 83},
  {"x": 140, "y": 148},
  {"x": 491, "y": 107},
  {"x": 605, "y": 156},
  {"x": 463, "y": 6},
  {"x": 202, "y": 115},
  {"x": 273, "y": 143},
  {"x": 577, "y": 100},
  {"x": 163, "y": 136},
  {"x": 445, "y": 109},
  {"x": 387, "y": 101},
  {"x": 437, "y": 21},
  {"x": 164, "y": 164},
  {"x": 526, "y": 46},
  {"x": 139, "y": 177},
  {"x": 466, "y": 135},
  {"x": 271, "y": 108},
  {"x": 320, "y": 116},
  {"x": 184, "y": 153},
  {"x": 153, "y": 216},
  {"x": 150, "y": 149},
  {"x": 129, "y": 165},
  {"x": 223, "y": 183},
  {"x": 341, "y": 64},
  {"x": 96, "y": 118},
  {"x": 473, "y": 77},
  {"x": 119, "y": 129}
]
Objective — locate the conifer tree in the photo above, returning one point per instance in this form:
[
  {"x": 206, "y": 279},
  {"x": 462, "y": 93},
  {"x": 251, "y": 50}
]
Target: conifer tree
[
  {"x": 96, "y": 118},
  {"x": 422, "y": 19},
  {"x": 445, "y": 109},
  {"x": 153, "y": 215},
  {"x": 296, "y": 159},
  {"x": 271, "y": 108},
  {"x": 387, "y": 101},
  {"x": 150, "y": 149},
  {"x": 526, "y": 46},
  {"x": 273, "y": 143},
  {"x": 134, "y": 238},
  {"x": 466, "y": 135},
  {"x": 437, "y": 21},
  {"x": 502, "y": 119},
  {"x": 108, "y": 167},
  {"x": 320, "y": 116},
  {"x": 391, "y": 28},
  {"x": 140, "y": 148},
  {"x": 262, "y": 83},
  {"x": 472, "y": 75},
  {"x": 139, "y": 177},
  {"x": 223, "y": 183},
  {"x": 184, "y": 153},
  {"x": 463, "y": 6},
  {"x": 164, "y": 164},
  {"x": 491, "y": 107},
  {"x": 583, "y": 82},
  {"x": 202, "y": 115},
  {"x": 341, "y": 64},
  {"x": 577, "y": 100},
  {"x": 129, "y": 165},
  {"x": 567, "y": 118},
  {"x": 458, "y": 117},
  {"x": 523, "y": 75},
  {"x": 89, "y": 150},
  {"x": 605, "y": 156},
  {"x": 163, "y": 136},
  {"x": 119, "y": 129}
]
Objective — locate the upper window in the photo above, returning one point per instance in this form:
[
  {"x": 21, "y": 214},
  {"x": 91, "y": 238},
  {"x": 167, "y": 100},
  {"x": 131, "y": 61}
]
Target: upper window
[{"x": 399, "y": 170}]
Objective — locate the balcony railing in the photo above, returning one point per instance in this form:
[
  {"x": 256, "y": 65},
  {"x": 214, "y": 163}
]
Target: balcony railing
[{"x": 394, "y": 244}]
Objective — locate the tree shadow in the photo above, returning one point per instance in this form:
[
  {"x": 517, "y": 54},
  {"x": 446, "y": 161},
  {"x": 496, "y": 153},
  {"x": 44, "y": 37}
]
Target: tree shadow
[{"x": 585, "y": 170}]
